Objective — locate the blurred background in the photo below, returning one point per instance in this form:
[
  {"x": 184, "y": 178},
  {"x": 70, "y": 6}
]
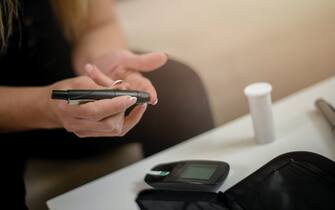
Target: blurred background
[{"x": 289, "y": 43}]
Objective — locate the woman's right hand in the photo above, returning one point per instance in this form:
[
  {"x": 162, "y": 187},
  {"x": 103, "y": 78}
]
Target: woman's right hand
[{"x": 94, "y": 119}]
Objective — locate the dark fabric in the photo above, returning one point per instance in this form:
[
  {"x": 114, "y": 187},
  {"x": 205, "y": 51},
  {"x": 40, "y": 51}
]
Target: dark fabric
[
  {"x": 13, "y": 196},
  {"x": 39, "y": 55},
  {"x": 292, "y": 181},
  {"x": 179, "y": 200}
]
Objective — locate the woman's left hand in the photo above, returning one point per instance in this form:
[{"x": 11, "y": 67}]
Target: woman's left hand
[{"x": 127, "y": 66}]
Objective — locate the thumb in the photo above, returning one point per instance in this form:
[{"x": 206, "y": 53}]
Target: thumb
[{"x": 145, "y": 62}]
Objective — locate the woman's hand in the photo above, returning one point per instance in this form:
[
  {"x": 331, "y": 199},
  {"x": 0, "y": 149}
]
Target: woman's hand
[
  {"x": 93, "y": 119},
  {"x": 127, "y": 66},
  {"x": 104, "y": 45}
]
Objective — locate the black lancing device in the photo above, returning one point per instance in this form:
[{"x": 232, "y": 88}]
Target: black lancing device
[{"x": 77, "y": 96}]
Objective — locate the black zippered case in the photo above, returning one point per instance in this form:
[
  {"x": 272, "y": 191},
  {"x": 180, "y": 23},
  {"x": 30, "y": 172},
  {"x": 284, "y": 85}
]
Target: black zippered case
[{"x": 292, "y": 181}]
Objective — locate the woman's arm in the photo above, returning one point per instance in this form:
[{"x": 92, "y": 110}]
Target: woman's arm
[
  {"x": 103, "y": 34},
  {"x": 24, "y": 108}
]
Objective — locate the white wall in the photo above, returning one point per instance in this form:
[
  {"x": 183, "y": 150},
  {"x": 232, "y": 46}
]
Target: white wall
[{"x": 289, "y": 43}]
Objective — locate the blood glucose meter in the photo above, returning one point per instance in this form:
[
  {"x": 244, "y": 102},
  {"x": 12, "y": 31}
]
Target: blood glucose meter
[{"x": 191, "y": 175}]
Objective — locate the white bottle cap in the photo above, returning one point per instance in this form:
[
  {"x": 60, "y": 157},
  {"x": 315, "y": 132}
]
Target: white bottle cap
[
  {"x": 260, "y": 106},
  {"x": 258, "y": 89}
]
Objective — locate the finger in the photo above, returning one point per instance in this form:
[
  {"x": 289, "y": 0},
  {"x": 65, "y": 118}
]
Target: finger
[
  {"x": 78, "y": 125},
  {"x": 88, "y": 134},
  {"x": 97, "y": 76},
  {"x": 133, "y": 118},
  {"x": 130, "y": 121},
  {"x": 100, "y": 109},
  {"x": 144, "y": 85},
  {"x": 112, "y": 124},
  {"x": 145, "y": 62},
  {"x": 148, "y": 87}
]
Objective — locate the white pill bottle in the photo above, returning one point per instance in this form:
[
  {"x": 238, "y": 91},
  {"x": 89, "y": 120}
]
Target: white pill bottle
[{"x": 260, "y": 106}]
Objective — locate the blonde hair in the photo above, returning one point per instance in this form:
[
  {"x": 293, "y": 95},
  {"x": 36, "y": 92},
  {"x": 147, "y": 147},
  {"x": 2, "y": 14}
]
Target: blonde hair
[
  {"x": 8, "y": 12},
  {"x": 71, "y": 14}
]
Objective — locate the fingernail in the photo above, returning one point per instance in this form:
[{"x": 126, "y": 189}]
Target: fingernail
[
  {"x": 88, "y": 68},
  {"x": 155, "y": 102},
  {"x": 133, "y": 99},
  {"x": 145, "y": 105},
  {"x": 117, "y": 82}
]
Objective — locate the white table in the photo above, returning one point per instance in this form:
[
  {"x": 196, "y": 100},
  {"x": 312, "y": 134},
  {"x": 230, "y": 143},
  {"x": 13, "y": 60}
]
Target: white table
[{"x": 299, "y": 126}]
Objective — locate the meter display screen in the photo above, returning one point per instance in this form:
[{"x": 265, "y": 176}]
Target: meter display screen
[{"x": 198, "y": 171}]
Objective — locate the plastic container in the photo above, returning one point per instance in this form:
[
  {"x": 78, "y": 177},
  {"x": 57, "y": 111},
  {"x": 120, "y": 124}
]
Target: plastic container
[{"x": 260, "y": 106}]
